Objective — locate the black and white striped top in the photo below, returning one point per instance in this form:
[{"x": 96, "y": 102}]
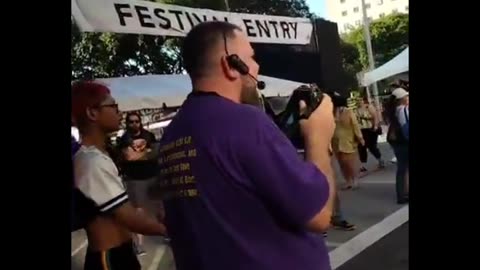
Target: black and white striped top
[{"x": 96, "y": 176}]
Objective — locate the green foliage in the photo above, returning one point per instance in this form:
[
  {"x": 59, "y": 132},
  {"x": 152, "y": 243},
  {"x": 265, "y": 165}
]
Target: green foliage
[
  {"x": 389, "y": 37},
  {"x": 114, "y": 55},
  {"x": 295, "y": 8},
  {"x": 350, "y": 62}
]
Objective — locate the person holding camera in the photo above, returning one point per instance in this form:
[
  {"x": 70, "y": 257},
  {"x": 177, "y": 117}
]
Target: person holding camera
[{"x": 236, "y": 194}]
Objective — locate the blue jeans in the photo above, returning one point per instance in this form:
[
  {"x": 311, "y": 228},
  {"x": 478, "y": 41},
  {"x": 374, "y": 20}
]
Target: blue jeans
[{"x": 401, "y": 152}]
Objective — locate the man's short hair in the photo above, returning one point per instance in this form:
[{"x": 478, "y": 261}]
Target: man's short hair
[{"x": 199, "y": 43}]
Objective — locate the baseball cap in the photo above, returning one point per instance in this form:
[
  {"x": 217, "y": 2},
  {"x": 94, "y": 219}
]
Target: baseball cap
[{"x": 399, "y": 93}]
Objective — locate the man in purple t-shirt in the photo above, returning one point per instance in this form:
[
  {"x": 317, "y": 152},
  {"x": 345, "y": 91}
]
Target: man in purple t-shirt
[{"x": 236, "y": 194}]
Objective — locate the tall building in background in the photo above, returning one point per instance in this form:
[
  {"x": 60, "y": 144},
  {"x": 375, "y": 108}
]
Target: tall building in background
[{"x": 348, "y": 13}]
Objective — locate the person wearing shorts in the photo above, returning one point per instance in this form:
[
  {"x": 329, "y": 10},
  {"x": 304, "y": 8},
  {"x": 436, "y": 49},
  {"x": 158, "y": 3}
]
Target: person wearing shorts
[{"x": 139, "y": 172}]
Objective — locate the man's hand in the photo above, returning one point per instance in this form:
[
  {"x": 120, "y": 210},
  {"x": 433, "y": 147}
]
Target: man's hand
[
  {"x": 131, "y": 155},
  {"x": 139, "y": 144},
  {"x": 361, "y": 141},
  {"x": 318, "y": 131},
  {"x": 320, "y": 126}
]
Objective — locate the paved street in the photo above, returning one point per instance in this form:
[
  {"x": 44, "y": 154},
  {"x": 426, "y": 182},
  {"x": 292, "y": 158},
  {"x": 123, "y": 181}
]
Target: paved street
[
  {"x": 369, "y": 205},
  {"x": 391, "y": 253}
]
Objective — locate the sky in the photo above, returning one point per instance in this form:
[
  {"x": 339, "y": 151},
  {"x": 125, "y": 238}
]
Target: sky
[{"x": 318, "y": 7}]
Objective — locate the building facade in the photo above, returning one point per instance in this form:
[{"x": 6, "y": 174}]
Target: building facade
[{"x": 348, "y": 13}]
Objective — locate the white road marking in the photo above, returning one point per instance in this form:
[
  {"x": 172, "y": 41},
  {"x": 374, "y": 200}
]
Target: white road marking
[
  {"x": 383, "y": 182},
  {"x": 157, "y": 257},
  {"x": 333, "y": 244},
  {"x": 354, "y": 246},
  {"x": 80, "y": 247}
]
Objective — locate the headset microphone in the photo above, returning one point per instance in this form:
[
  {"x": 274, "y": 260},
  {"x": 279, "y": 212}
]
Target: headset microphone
[
  {"x": 236, "y": 63},
  {"x": 260, "y": 84}
]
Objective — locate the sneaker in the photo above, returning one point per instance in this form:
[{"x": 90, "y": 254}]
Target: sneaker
[
  {"x": 140, "y": 251},
  {"x": 166, "y": 240},
  {"x": 402, "y": 201},
  {"x": 343, "y": 225},
  {"x": 355, "y": 185}
]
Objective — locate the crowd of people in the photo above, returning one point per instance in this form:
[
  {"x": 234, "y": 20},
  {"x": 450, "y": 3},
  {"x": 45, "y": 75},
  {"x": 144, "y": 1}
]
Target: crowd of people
[
  {"x": 229, "y": 181},
  {"x": 357, "y": 130}
]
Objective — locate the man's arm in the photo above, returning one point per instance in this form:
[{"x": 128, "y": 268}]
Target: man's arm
[
  {"x": 374, "y": 114},
  {"x": 152, "y": 145},
  {"x": 321, "y": 159},
  {"x": 137, "y": 221},
  {"x": 403, "y": 119},
  {"x": 128, "y": 151},
  {"x": 356, "y": 128},
  {"x": 98, "y": 179},
  {"x": 296, "y": 191},
  {"x": 152, "y": 139}
]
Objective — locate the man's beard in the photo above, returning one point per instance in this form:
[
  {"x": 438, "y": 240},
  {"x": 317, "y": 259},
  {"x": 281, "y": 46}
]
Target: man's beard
[
  {"x": 249, "y": 93},
  {"x": 134, "y": 130}
]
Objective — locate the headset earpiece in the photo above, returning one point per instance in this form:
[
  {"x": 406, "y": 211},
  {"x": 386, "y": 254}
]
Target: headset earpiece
[{"x": 236, "y": 63}]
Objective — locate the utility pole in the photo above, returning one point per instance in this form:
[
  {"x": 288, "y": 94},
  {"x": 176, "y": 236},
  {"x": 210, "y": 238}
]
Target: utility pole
[
  {"x": 227, "y": 6},
  {"x": 371, "y": 61}
]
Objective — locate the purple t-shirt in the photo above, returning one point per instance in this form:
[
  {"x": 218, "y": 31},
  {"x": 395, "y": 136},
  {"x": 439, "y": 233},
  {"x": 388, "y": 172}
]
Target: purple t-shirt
[{"x": 236, "y": 194}]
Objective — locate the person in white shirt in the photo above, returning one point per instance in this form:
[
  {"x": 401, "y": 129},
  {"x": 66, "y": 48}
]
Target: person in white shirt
[
  {"x": 109, "y": 233},
  {"x": 398, "y": 137}
]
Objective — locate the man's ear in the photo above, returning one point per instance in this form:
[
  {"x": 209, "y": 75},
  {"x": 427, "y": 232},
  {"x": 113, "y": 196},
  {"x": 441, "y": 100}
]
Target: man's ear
[
  {"x": 91, "y": 114},
  {"x": 231, "y": 73}
]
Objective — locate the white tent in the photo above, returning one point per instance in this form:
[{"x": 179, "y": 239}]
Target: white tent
[
  {"x": 151, "y": 91},
  {"x": 399, "y": 64}
]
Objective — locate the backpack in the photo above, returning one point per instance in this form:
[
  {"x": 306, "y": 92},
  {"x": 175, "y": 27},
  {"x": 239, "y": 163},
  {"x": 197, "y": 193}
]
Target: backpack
[{"x": 83, "y": 209}]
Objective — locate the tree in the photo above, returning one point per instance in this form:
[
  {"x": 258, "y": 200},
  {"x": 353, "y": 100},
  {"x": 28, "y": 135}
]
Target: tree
[
  {"x": 295, "y": 8},
  {"x": 112, "y": 55},
  {"x": 292, "y": 8},
  {"x": 351, "y": 63},
  {"x": 389, "y": 37}
]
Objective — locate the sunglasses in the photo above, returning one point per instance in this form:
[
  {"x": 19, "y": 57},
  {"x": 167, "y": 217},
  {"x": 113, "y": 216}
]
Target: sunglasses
[
  {"x": 113, "y": 106},
  {"x": 134, "y": 121}
]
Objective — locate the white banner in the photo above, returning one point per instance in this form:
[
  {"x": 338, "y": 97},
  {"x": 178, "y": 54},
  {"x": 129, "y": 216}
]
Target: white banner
[{"x": 150, "y": 18}]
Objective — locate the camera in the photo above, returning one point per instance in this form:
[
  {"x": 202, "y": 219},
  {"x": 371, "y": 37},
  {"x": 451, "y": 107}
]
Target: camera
[{"x": 287, "y": 116}]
